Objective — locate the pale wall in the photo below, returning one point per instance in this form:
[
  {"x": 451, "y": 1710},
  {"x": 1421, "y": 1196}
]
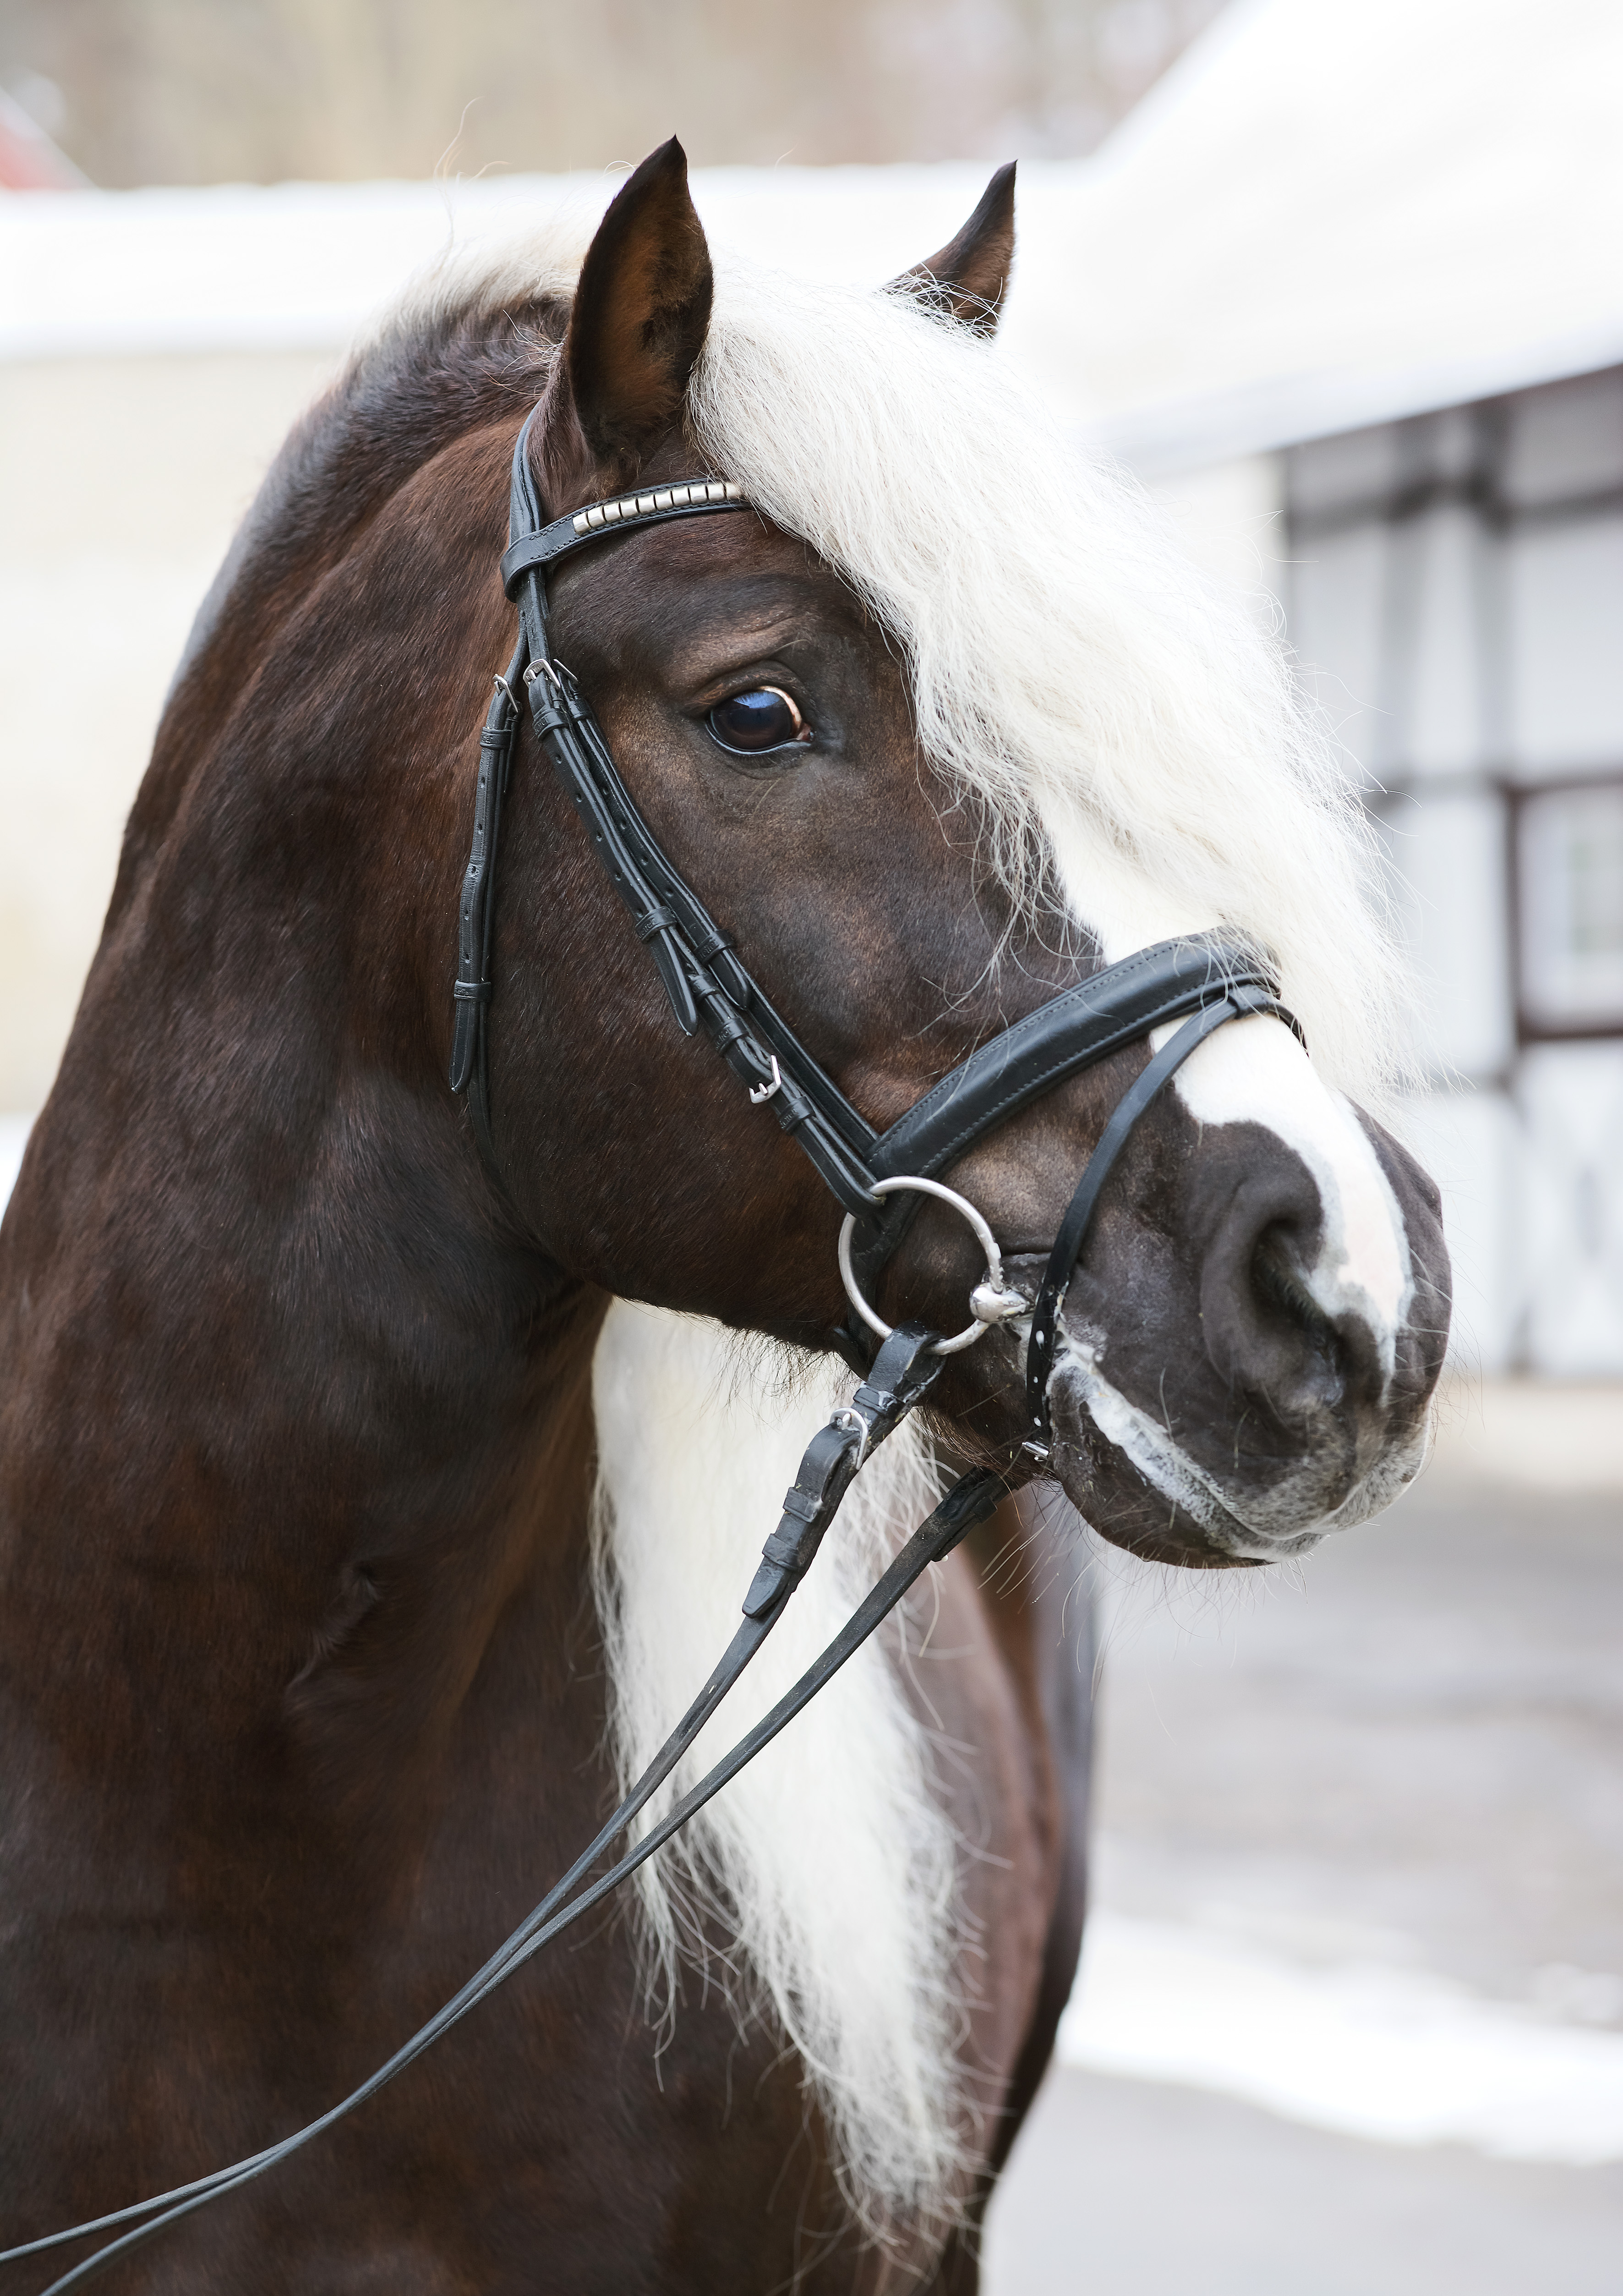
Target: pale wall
[
  {"x": 121, "y": 481},
  {"x": 1231, "y": 521}
]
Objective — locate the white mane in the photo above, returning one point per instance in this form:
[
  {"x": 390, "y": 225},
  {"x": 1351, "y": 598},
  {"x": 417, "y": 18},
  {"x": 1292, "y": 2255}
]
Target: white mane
[
  {"x": 1133, "y": 734},
  {"x": 1123, "y": 723},
  {"x": 829, "y": 1858},
  {"x": 1133, "y": 741}
]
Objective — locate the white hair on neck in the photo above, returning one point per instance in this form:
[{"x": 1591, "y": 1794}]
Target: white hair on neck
[
  {"x": 830, "y": 1860},
  {"x": 1127, "y": 728}
]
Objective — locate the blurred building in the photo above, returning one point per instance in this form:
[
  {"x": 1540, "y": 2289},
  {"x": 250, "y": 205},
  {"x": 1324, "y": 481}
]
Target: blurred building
[
  {"x": 1461, "y": 570},
  {"x": 1344, "y": 289},
  {"x": 271, "y": 91},
  {"x": 29, "y": 162},
  {"x": 1399, "y": 313}
]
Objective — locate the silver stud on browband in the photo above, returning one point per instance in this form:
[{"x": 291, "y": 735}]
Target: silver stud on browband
[{"x": 685, "y": 496}]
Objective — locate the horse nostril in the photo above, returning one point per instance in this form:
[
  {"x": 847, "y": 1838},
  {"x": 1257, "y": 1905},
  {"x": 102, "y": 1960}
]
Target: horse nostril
[
  {"x": 1278, "y": 1286},
  {"x": 1266, "y": 1332}
]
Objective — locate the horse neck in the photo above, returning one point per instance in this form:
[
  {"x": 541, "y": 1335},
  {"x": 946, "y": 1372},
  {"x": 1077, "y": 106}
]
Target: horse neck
[{"x": 290, "y": 1415}]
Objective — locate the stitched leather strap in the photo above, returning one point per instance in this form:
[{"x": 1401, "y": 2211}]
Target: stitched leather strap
[
  {"x": 1073, "y": 1031},
  {"x": 904, "y": 1371},
  {"x": 716, "y": 995}
]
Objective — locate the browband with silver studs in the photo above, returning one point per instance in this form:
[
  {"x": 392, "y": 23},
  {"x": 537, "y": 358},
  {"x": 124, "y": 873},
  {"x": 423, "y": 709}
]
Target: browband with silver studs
[{"x": 648, "y": 507}]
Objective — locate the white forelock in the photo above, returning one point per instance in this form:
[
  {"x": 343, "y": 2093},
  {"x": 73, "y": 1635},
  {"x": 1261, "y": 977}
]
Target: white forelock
[{"x": 1125, "y": 724}]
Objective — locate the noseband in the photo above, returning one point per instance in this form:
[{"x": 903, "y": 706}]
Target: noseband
[
  {"x": 876, "y": 1177},
  {"x": 1202, "y": 981}
]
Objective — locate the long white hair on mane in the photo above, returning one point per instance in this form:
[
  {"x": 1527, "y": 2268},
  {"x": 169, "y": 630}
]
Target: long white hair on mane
[
  {"x": 830, "y": 1861},
  {"x": 1134, "y": 744},
  {"x": 1131, "y": 733}
]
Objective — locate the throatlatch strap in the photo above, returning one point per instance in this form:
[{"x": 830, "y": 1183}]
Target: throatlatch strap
[{"x": 476, "y": 912}]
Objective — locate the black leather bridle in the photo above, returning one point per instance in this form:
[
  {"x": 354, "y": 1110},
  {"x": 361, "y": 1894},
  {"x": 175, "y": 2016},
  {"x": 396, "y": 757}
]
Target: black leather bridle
[{"x": 1203, "y": 982}]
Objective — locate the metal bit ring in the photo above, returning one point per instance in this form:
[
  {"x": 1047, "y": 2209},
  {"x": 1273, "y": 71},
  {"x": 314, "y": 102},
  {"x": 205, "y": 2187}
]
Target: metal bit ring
[{"x": 991, "y": 1301}]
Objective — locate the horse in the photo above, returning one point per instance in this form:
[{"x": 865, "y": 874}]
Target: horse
[{"x": 373, "y": 1495}]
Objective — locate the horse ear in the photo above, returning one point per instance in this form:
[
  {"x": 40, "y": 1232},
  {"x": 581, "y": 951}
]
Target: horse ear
[
  {"x": 970, "y": 276},
  {"x": 636, "y": 327}
]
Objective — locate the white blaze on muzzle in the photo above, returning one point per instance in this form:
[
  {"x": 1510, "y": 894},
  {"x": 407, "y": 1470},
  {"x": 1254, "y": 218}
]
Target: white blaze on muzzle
[{"x": 1254, "y": 1071}]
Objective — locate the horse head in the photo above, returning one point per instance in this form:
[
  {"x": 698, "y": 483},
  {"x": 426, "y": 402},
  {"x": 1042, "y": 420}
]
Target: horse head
[{"x": 941, "y": 728}]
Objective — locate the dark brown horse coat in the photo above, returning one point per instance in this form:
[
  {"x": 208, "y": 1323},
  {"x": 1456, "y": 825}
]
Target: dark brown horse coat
[{"x": 300, "y": 1685}]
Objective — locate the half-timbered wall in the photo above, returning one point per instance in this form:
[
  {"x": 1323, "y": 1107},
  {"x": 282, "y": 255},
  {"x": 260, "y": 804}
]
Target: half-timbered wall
[{"x": 1455, "y": 595}]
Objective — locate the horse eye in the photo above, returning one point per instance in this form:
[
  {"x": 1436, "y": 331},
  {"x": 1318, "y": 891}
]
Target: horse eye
[{"x": 752, "y": 722}]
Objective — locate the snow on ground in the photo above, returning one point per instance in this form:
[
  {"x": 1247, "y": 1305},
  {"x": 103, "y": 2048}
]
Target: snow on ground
[{"x": 1394, "y": 2056}]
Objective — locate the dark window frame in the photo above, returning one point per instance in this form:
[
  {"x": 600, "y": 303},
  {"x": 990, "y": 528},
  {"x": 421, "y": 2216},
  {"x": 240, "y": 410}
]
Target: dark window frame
[
  {"x": 1480, "y": 489},
  {"x": 1518, "y": 794}
]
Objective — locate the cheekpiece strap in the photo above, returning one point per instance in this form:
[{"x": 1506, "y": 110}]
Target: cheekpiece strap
[{"x": 710, "y": 989}]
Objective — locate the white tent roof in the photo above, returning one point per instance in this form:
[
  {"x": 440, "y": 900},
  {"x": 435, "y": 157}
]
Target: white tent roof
[
  {"x": 1329, "y": 212},
  {"x": 305, "y": 266}
]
